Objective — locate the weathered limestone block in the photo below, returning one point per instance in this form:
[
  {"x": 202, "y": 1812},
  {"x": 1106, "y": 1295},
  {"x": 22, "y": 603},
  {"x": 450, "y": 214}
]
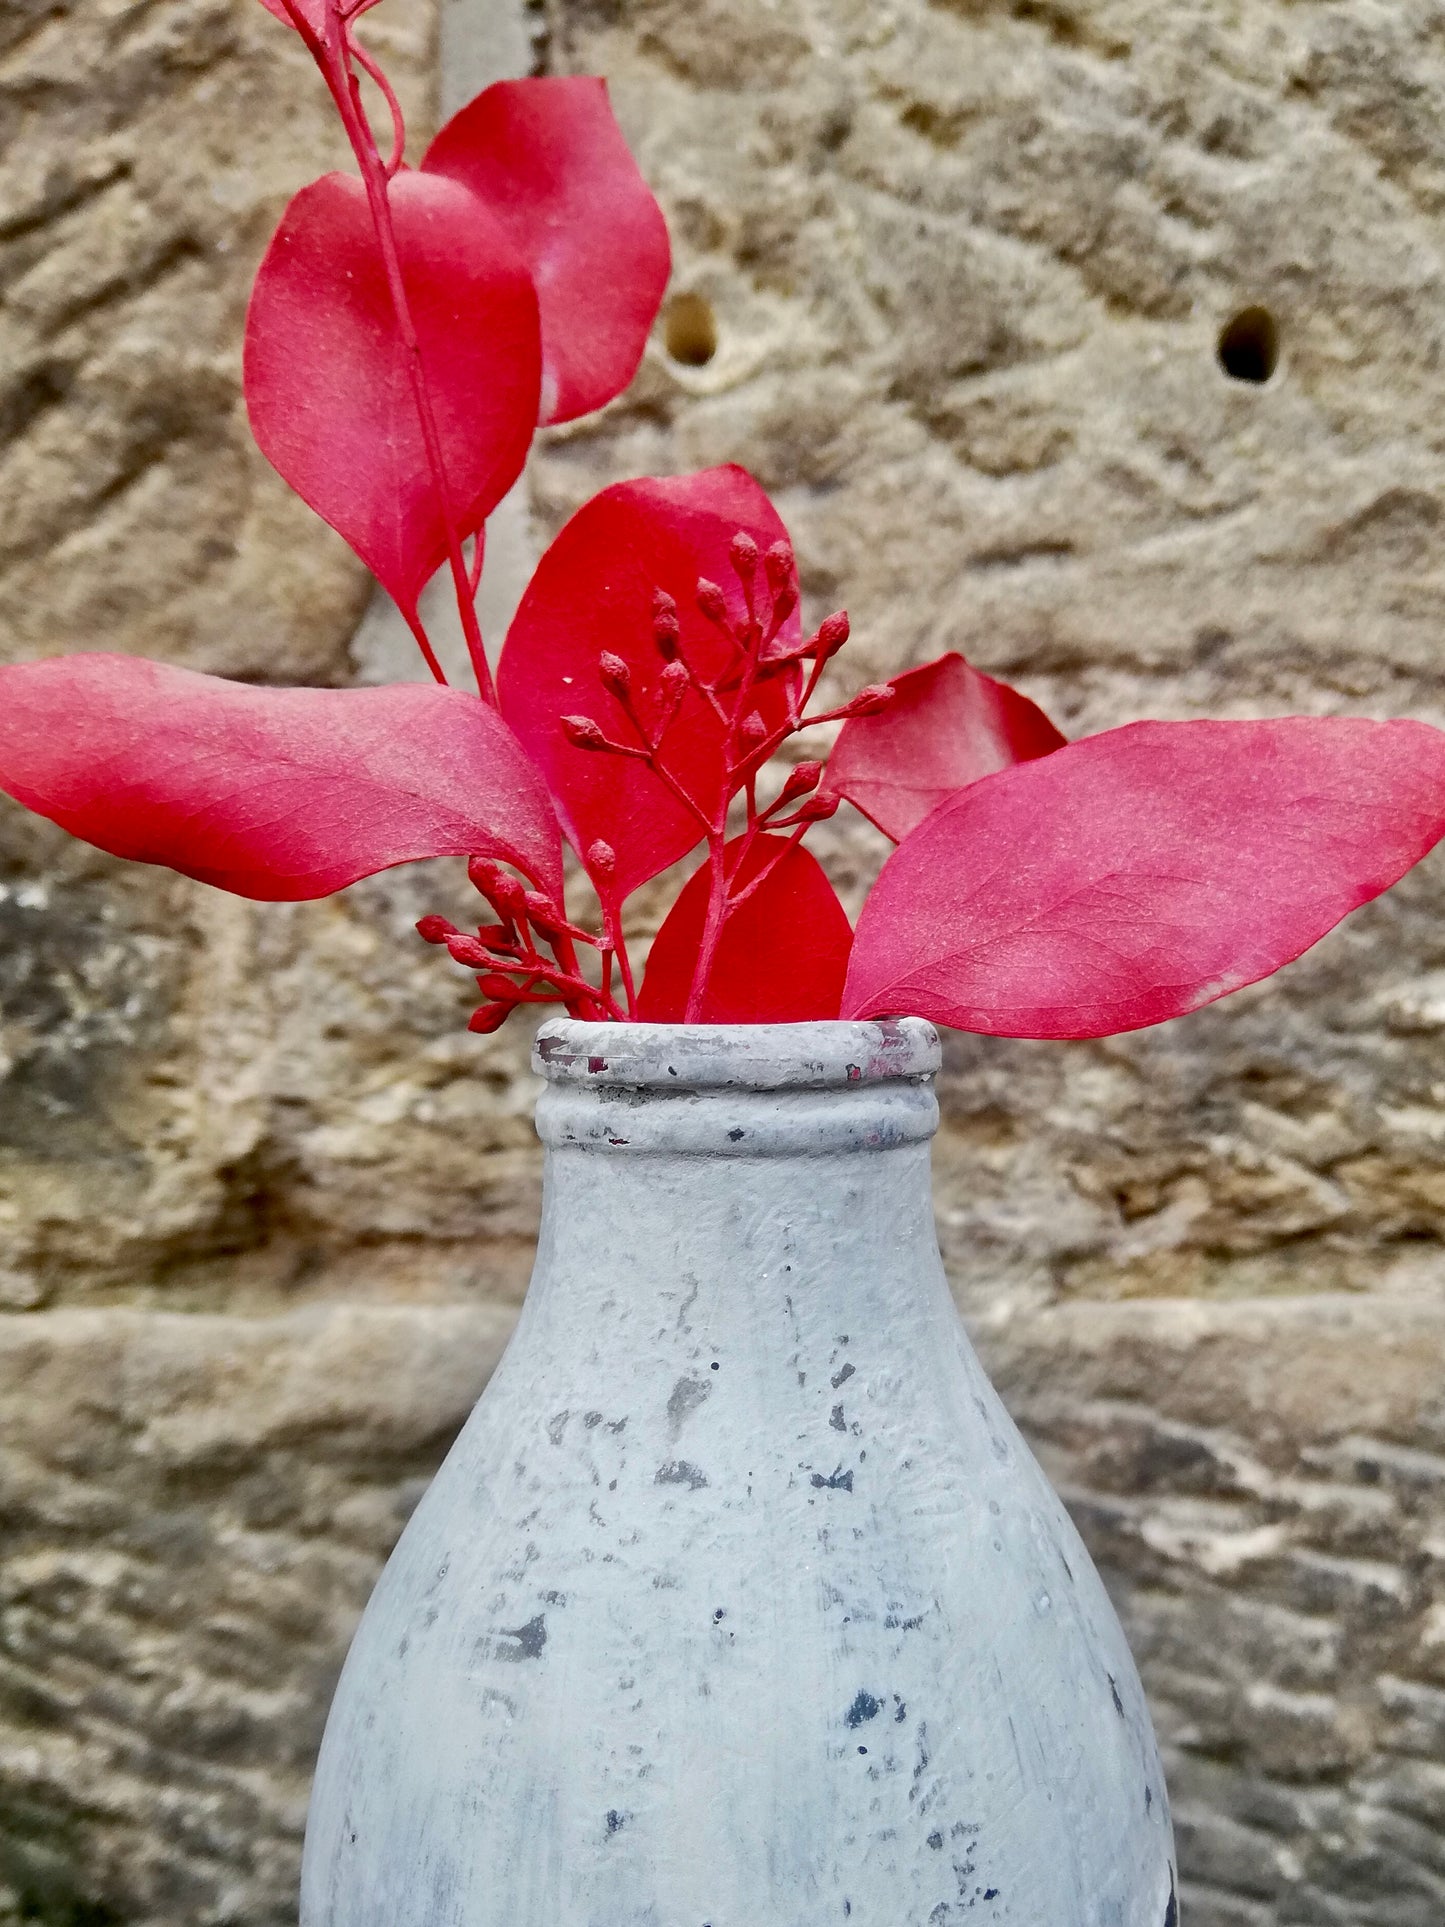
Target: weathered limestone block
[
  {"x": 1264, "y": 1483},
  {"x": 145, "y": 153},
  {"x": 193, "y": 1509}
]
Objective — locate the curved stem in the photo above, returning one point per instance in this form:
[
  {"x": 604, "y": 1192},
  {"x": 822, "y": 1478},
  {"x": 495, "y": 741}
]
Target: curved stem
[
  {"x": 423, "y": 642},
  {"x": 393, "y": 105}
]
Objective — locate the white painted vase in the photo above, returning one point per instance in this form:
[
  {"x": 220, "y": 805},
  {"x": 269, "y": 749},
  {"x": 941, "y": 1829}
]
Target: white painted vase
[{"x": 739, "y": 1601}]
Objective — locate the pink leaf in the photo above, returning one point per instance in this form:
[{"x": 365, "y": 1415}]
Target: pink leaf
[
  {"x": 328, "y": 381},
  {"x": 593, "y": 592},
  {"x": 947, "y": 726},
  {"x": 550, "y": 161},
  {"x": 1136, "y": 875},
  {"x": 271, "y": 793},
  {"x": 783, "y": 953}
]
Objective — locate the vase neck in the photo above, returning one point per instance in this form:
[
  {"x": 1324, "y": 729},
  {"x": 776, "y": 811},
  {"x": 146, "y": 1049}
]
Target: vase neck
[
  {"x": 739, "y": 1091},
  {"x": 739, "y": 1165}
]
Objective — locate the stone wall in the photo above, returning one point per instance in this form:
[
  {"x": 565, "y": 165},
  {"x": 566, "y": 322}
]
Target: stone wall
[{"x": 265, "y": 1208}]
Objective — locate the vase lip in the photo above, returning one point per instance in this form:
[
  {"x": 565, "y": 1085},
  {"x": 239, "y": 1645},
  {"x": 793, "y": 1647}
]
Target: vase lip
[{"x": 823, "y": 1055}]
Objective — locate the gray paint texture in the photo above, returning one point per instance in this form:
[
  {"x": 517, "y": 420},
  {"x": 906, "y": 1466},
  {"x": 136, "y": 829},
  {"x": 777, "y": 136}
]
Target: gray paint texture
[{"x": 740, "y": 1601}]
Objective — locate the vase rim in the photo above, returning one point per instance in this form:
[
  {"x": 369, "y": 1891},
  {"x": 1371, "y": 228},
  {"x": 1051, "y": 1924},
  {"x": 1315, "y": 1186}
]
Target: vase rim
[{"x": 759, "y": 1057}]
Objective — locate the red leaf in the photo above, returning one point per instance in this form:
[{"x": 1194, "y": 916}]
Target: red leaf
[
  {"x": 550, "y": 161},
  {"x": 947, "y": 725},
  {"x": 593, "y": 592},
  {"x": 271, "y": 793},
  {"x": 327, "y": 377},
  {"x": 1136, "y": 875},
  {"x": 782, "y": 956}
]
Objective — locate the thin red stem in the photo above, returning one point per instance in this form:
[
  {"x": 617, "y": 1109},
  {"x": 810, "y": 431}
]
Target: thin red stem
[
  {"x": 393, "y": 105},
  {"x": 712, "y": 927},
  {"x": 423, "y": 642},
  {"x": 374, "y": 176},
  {"x": 767, "y": 870},
  {"x": 615, "y": 944}
]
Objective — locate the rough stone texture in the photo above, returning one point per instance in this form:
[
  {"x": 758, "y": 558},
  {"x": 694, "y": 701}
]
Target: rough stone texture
[
  {"x": 262, "y": 1202},
  {"x": 1266, "y": 1484},
  {"x": 189, "y": 1536},
  {"x": 146, "y": 148}
]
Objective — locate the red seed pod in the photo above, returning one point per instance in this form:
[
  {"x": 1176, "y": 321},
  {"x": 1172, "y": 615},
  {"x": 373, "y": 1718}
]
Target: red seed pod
[
  {"x": 435, "y": 929},
  {"x": 615, "y": 674},
  {"x": 743, "y": 554},
  {"x": 785, "y": 600},
  {"x": 666, "y": 629},
  {"x": 832, "y": 633},
  {"x": 602, "y": 860},
  {"x": 673, "y": 681},
  {"x": 754, "y": 729},
  {"x": 468, "y": 951},
  {"x": 496, "y": 988},
  {"x": 543, "y": 912},
  {"x": 583, "y": 733},
  {"x": 489, "y": 1017},
  {"x": 501, "y": 890},
  {"x": 804, "y": 778},
  {"x": 712, "y": 602},
  {"x": 817, "y": 808},
  {"x": 869, "y": 701},
  {"x": 779, "y": 568}
]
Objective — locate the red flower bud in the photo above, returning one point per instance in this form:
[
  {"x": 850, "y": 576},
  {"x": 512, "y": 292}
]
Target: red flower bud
[
  {"x": 666, "y": 629},
  {"x": 712, "y": 602},
  {"x": 543, "y": 912},
  {"x": 501, "y": 890},
  {"x": 832, "y": 633},
  {"x": 785, "y": 600},
  {"x": 498, "y": 989},
  {"x": 804, "y": 778},
  {"x": 489, "y": 1017},
  {"x": 817, "y": 808},
  {"x": 743, "y": 554},
  {"x": 583, "y": 733},
  {"x": 495, "y": 936},
  {"x": 490, "y": 880},
  {"x": 778, "y": 566},
  {"x": 615, "y": 674},
  {"x": 754, "y": 729},
  {"x": 435, "y": 929},
  {"x": 602, "y": 861},
  {"x": 467, "y": 950},
  {"x": 869, "y": 701}
]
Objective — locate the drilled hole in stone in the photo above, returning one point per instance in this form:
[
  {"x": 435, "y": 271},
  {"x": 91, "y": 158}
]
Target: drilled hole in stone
[
  {"x": 690, "y": 330},
  {"x": 1249, "y": 346}
]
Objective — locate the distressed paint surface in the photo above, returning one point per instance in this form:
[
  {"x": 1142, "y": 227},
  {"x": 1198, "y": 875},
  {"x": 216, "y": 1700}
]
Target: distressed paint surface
[{"x": 739, "y": 1602}]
